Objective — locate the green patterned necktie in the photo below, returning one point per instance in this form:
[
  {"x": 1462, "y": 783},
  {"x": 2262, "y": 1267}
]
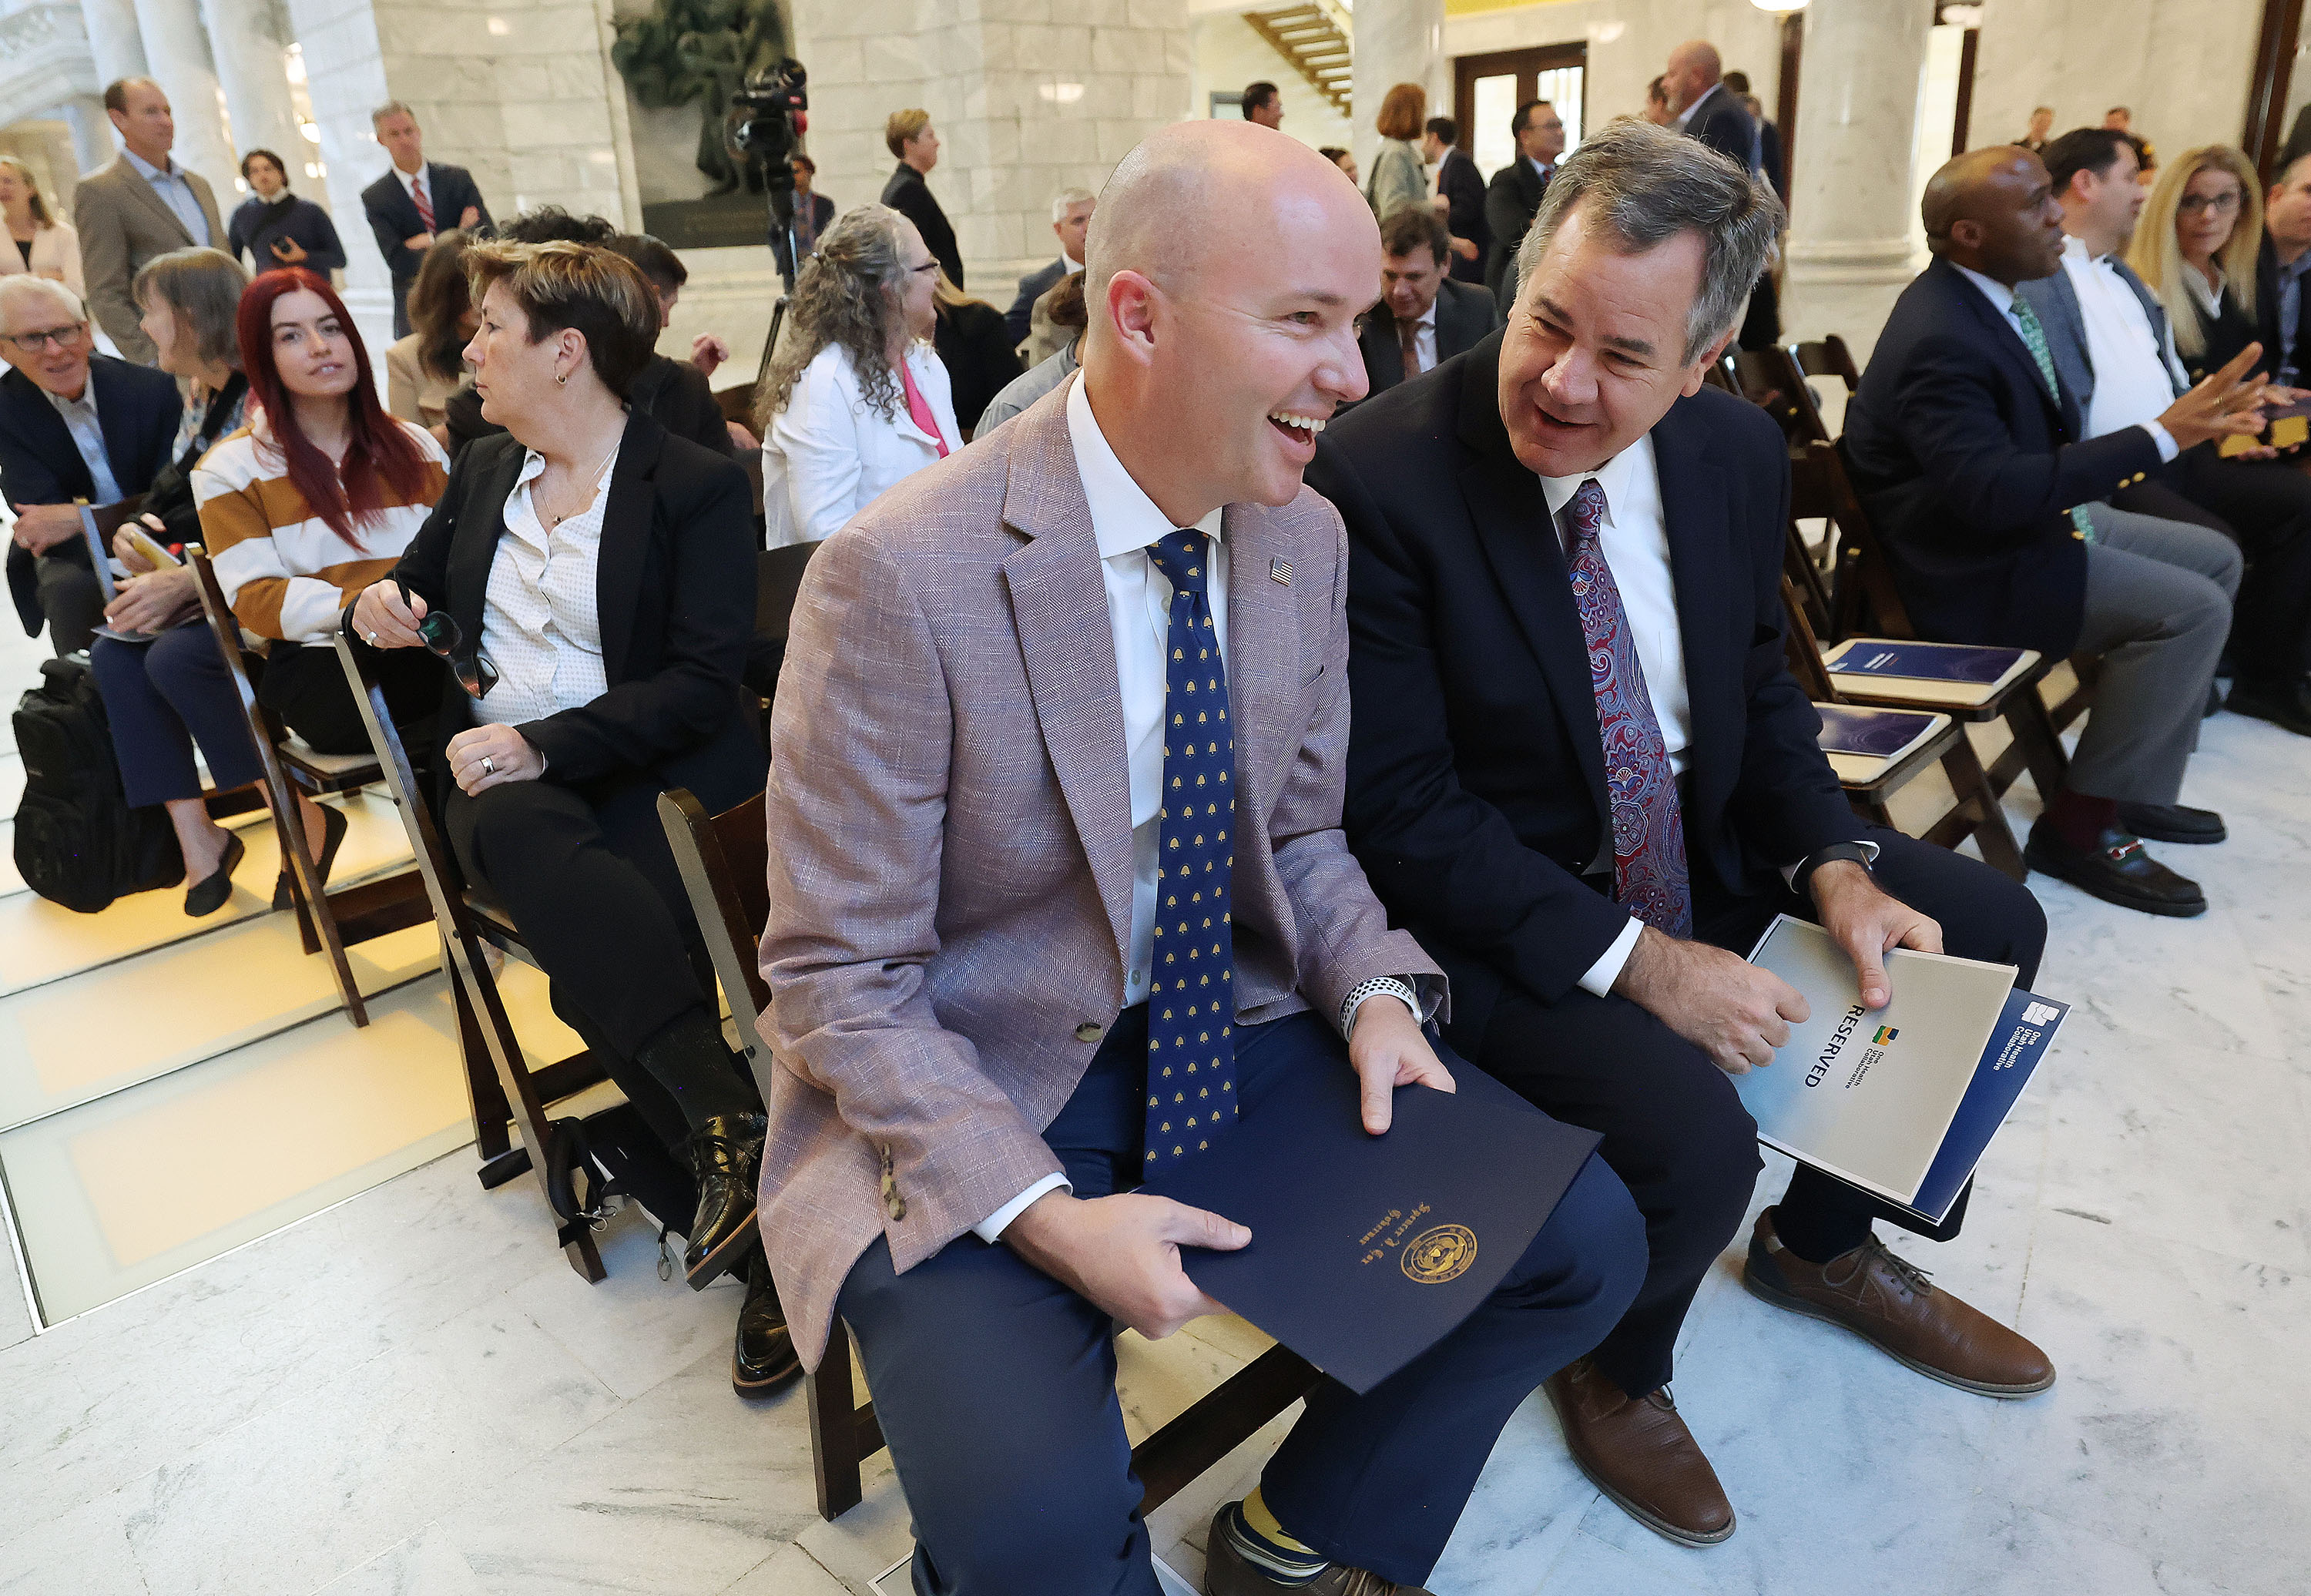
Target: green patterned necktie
[{"x": 2034, "y": 339}]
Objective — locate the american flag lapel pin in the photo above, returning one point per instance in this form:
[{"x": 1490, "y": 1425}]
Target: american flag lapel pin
[{"x": 1280, "y": 570}]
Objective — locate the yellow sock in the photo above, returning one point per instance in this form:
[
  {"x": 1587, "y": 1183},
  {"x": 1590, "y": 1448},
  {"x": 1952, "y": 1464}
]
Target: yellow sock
[{"x": 1257, "y": 1514}]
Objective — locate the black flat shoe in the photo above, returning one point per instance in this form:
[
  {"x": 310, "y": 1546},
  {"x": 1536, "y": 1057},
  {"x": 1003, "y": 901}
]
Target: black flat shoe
[
  {"x": 2172, "y": 823},
  {"x": 725, "y": 1154},
  {"x": 2117, "y": 870},
  {"x": 764, "y": 1358},
  {"x": 334, "y": 827},
  {"x": 2286, "y": 704},
  {"x": 208, "y": 895}
]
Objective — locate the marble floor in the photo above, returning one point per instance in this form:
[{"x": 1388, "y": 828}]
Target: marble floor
[{"x": 407, "y": 1390}]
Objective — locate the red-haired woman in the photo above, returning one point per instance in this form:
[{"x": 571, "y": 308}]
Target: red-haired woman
[{"x": 307, "y": 506}]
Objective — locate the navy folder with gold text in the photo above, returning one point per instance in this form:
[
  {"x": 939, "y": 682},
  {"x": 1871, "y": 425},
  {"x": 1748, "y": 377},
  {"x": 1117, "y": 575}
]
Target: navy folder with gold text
[{"x": 1366, "y": 1251}]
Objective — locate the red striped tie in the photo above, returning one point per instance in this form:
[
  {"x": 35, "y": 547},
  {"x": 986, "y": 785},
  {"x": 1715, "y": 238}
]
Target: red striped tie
[{"x": 425, "y": 206}]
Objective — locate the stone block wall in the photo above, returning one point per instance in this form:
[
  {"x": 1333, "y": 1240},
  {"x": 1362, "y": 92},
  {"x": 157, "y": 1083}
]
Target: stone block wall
[{"x": 1029, "y": 97}]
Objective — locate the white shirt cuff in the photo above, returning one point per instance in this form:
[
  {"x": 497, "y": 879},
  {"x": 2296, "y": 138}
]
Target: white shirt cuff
[
  {"x": 1348, "y": 1020},
  {"x": 991, "y": 1228},
  {"x": 1607, "y": 970},
  {"x": 2167, "y": 447}
]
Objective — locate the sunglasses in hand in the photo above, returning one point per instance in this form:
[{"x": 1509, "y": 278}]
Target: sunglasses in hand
[{"x": 475, "y": 671}]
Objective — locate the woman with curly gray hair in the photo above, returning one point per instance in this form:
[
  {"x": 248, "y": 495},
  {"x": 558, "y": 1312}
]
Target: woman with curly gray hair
[{"x": 856, "y": 399}]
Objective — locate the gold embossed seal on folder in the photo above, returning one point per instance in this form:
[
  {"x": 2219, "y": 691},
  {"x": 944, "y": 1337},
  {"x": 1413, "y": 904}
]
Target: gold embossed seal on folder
[{"x": 1440, "y": 1254}]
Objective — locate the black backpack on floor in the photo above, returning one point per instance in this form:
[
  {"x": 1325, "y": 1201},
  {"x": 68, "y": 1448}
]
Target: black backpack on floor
[{"x": 78, "y": 843}]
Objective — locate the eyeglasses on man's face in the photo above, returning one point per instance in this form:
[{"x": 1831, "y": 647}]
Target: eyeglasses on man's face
[
  {"x": 2225, "y": 203},
  {"x": 63, "y": 338}
]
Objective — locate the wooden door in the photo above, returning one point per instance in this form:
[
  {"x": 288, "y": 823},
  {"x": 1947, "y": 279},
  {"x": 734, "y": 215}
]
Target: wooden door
[{"x": 1487, "y": 89}]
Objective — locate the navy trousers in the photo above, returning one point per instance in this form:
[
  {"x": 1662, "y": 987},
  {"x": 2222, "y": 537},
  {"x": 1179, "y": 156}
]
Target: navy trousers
[
  {"x": 1676, "y": 1132},
  {"x": 162, "y": 697},
  {"x": 995, "y": 1384}
]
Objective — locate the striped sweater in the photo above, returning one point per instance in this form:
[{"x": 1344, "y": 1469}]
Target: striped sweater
[{"x": 284, "y": 573}]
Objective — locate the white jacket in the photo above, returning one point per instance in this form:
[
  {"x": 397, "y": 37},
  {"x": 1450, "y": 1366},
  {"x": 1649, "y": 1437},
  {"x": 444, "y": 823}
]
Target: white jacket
[
  {"x": 55, "y": 252},
  {"x": 829, "y": 453}
]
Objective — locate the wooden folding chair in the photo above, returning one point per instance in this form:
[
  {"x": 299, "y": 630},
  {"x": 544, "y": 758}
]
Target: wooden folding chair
[
  {"x": 1865, "y": 602},
  {"x": 1975, "y": 814},
  {"x": 1827, "y": 357},
  {"x": 1770, "y": 380},
  {"x": 723, "y": 859},
  {"x": 327, "y": 921},
  {"x": 499, "y": 1084}
]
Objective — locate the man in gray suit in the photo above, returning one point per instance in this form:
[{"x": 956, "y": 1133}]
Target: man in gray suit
[
  {"x": 993, "y": 918},
  {"x": 142, "y": 206},
  {"x": 2113, "y": 348},
  {"x": 1071, "y": 212},
  {"x": 1424, "y": 317}
]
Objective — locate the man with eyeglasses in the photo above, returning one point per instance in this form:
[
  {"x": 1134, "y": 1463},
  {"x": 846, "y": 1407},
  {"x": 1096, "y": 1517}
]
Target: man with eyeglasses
[{"x": 73, "y": 425}]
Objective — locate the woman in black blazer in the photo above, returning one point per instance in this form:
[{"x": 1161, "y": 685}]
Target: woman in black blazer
[
  {"x": 590, "y": 579},
  {"x": 2195, "y": 246},
  {"x": 976, "y": 348}
]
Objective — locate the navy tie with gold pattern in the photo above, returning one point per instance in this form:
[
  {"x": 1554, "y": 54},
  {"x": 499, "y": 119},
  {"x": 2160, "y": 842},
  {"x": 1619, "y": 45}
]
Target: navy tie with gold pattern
[{"x": 1191, "y": 1004}]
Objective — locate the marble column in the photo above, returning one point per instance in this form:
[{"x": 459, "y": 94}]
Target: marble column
[
  {"x": 179, "y": 52},
  {"x": 114, "y": 43},
  {"x": 249, "y": 41},
  {"x": 1849, "y": 246},
  {"x": 1396, "y": 41},
  {"x": 91, "y": 131}
]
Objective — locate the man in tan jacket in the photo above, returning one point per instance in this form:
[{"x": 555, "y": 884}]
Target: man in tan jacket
[
  {"x": 1058, "y": 892},
  {"x": 142, "y": 206}
]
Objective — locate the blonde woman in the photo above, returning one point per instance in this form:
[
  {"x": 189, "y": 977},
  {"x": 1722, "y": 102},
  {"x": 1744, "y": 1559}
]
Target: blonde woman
[
  {"x": 2195, "y": 246},
  {"x": 1398, "y": 177},
  {"x": 856, "y": 399},
  {"x": 38, "y": 242}
]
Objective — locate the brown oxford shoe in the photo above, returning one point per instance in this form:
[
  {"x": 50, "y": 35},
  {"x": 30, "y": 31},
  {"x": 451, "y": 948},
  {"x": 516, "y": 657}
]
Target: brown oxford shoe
[
  {"x": 1637, "y": 1450},
  {"x": 1888, "y": 1302},
  {"x": 1227, "y": 1572}
]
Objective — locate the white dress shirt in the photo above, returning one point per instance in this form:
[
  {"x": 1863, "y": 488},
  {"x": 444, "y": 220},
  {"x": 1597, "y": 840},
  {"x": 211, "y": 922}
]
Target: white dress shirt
[
  {"x": 168, "y": 183},
  {"x": 87, "y": 431},
  {"x": 2208, "y": 296},
  {"x": 1635, "y": 541},
  {"x": 542, "y": 611},
  {"x": 2132, "y": 382},
  {"x": 2002, "y": 297}
]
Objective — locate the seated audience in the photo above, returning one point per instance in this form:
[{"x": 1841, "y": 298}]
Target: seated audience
[
  {"x": 273, "y": 227},
  {"x": 1973, "y": 462},
  {"x": 1071, "y": 210},
  {"x": 855, "y": 399},
  {"x": 2041, "y": 129},
  {"x": 2279, "y": 267},
  {"x": 1592, "y": 904},
  {"x": 1398, "y": 177},
  {"x": 311, "y": 503},
  {"x": 1424, "y": 316},
  {"x": 960, "y": 1041},
  {"x": 540, "y": 225},
  {"x": 163, "y": 697},
  {"x": 423, "y": 369},
  {"x": 44, "y": 246},
  {"x": 594, "y": 575},
  {"x": 74, "y": 424},
  {"x": 977, "y": 349},
  {"x": 1064, "y": 308},
  {"x": 2193, "y": 213},
  {"x": 1342, "y": 159},
  {"x": 675, "y": 392},
  {"x": 2195, "y": 245}
]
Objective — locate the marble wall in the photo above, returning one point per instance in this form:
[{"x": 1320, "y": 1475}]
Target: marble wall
[
  {"x": 1028, "y": 97},
  {"x": 2183, "y": 66}
]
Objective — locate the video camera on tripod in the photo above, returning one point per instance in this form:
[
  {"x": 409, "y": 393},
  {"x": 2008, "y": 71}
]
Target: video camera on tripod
[{"x": 769, "y": 114}]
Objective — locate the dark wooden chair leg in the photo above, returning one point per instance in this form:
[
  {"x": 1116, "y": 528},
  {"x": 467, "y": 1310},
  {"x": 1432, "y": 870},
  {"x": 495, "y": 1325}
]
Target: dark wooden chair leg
[
  {"x": 834, "y": 1450},
  {"x": 1977, "y": 813},
  {"x": 492, "y": 1114},
  {"x": 2037, "y": 746}
]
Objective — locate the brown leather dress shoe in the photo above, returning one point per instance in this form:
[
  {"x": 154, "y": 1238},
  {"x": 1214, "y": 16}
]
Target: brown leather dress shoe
[
  {"x": 1887, "y": 1300},
  {"x": 1227, "y": 1573},
  {"x": 1637, "y": 1450}
]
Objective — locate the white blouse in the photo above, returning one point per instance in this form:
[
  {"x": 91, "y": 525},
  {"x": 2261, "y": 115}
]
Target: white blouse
[
  {"x": 542, "y": 611},
  {"x": 830, "y": 453}
]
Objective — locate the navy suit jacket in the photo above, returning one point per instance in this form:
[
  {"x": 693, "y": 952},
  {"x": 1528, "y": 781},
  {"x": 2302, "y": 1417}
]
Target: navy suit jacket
[
  {"x": 1465, "y": 313},
  {"x": 1463, "y": 188},
  {"x": 908, "y": 194},
  {"x": 138, "y": 408},
  {"x": 1722, "y": 122},
  {"x": 393, "y": 214},
  {"x": 1476, "y": 797},
  {"x": 1019, "y": 321},
  {"x": 1512, "y": 200},
  {"x": 1968, "y": 464}
]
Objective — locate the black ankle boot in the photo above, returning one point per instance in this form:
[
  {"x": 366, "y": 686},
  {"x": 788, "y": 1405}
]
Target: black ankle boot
[
  {"x": 726, "y": 1154},
  {"x": 764, "y": 1360}
]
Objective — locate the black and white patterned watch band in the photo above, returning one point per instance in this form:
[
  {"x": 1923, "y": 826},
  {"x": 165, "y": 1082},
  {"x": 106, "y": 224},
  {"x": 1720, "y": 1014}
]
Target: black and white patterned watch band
[{"x": 1378, "y": 986}]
